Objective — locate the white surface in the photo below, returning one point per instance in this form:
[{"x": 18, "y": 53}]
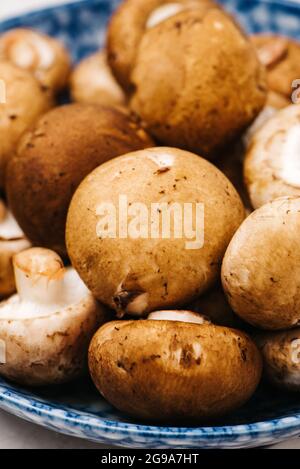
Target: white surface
[
  {"x": 12, "y": 7},
  {"x": 16, "y": 433}
]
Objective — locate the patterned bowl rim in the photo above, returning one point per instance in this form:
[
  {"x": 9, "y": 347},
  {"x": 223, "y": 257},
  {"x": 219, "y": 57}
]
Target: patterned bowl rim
[
  {"x": 58, "y": 414},
  {"x": 14, "y": 20}
]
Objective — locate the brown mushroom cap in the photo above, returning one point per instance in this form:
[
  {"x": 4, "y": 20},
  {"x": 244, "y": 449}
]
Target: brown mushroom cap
[
  {"x": 281, "y": 358},
  {"x": 43, "y": 56},
  {"x": 92, "y": 82},
  {"x": 271, "y": 167},
  {"x": 52, "y": 159},
  {"x": 281, "y": 56},
  {"x": 217, "y": 87},
  {"x": 261, "y": 267},
  {"x": 25, "y": 102},
  {"x": 127, "y": 27},
  {"x": 173, "y": 372},
  {"x": 138, "y": 275}
]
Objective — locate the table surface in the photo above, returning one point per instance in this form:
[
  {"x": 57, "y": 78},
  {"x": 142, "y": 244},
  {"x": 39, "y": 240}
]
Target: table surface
[{"x": 14, "y": 432}]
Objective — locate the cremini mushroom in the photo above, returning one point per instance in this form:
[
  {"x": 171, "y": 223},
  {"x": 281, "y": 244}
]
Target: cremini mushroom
[
  {"x": 24, "y": 102},
  {"x": 281, "y": 358},
  {"x": 92, "y": 82},
  {"x": 45, "y": 329},
  {"x": 155, "y": 234},
  {"x": 261, "y": 267},
  {"x": 45, "y": 57},
  {"x": 12, "y": 241},
  {"x": 208, "y": 102},
  {"x": 130, "y": 22},
  {"x": 281, "y": 56},
  {"x": 232, "y": 159},
  {"x": 174, "y": 367},
  {"x": 52, "y": 159},
  {"x": 271, "y": 166}
]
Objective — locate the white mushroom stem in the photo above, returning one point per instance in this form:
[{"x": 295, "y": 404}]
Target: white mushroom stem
[
  {"x": 162, "y": 13},
  {"x": 138, "y": 305},
  {"x": 9, "y": 228},
  {"x": 39, "y": 275},
  {"x": 181, "y": 316}
]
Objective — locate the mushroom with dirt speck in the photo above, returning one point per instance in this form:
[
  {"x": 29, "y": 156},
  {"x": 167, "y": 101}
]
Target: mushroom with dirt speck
[
  {"x": 197, "y": 110},
  {"x": 45, "y": 328},
  {"x": 176, "y": 368},
  {"x": 261, "y": 267},
  {"x": 63, "y": 147},
  {"x": 131, "y": 21},
  {"x": 150, "y": 266}
]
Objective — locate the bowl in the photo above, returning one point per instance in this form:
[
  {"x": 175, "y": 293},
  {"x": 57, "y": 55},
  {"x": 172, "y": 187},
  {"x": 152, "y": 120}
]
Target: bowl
[{"x": 77, "y": 409}]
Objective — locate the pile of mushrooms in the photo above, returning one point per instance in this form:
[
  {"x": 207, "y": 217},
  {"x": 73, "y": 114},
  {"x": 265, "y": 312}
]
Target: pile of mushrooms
[{"x": 176, "y": 319}]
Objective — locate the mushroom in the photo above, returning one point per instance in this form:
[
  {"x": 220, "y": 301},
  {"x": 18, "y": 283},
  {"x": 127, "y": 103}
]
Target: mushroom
[
  {"x": 45, "y": 329},
  {"x": 231, "y": 161},
  {"x": 261, "y": 267},
  {"x": 208, "y": 102},
  {"x": 281, "y": 358},
  {"x": 12, "y": 241},
  {"x": 172, "y": 368},
  {"x": 52, "y": 159},
  {"x": 281, "y": 56},
  {"x": 43, "y": 56},
  {"x": 271, "y": 167},
  {"x": 130, "y": 22},
  {"x": 92, "y": 82},
  {"x": 155, "y": 234},
  {"x": 25, "y": 101}
]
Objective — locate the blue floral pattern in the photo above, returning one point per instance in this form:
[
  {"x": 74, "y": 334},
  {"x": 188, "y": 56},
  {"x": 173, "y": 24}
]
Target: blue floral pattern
[{"x": 77, "y": 409}]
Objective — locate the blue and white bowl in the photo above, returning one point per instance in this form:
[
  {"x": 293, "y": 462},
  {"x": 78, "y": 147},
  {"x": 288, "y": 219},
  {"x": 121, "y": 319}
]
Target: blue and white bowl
[{"x": 78, "y": 409}]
